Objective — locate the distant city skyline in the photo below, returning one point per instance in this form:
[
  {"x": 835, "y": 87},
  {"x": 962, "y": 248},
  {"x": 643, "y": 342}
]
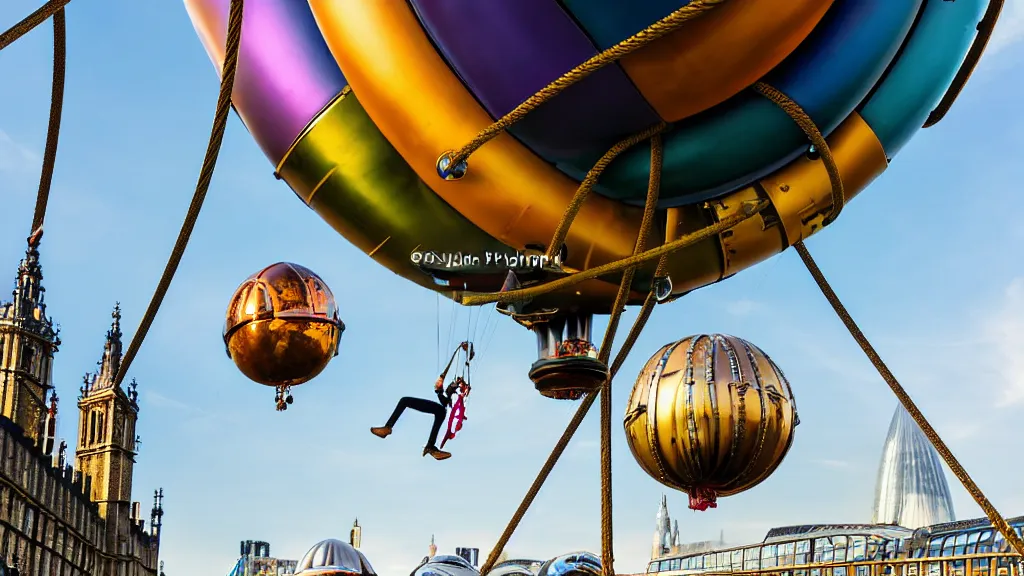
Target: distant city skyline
[{"x": 925, "y": 259}]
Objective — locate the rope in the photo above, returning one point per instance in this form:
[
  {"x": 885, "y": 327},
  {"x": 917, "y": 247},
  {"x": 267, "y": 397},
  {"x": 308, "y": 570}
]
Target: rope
[
  {"x": 574, "y": 425},
  {"x": 31, "y": 21},
  {"x": 997, "y": 520},
  {"x": 590, "y": 180},
  {"x": 807, "y": 125},
  {"x": 748, "y": 210},
  {"x": 653, "y": 191},
  {"x": 453, "y": 161},
  {"x": 234, "y": 37},
  {"x": 985, "y": 28},
  {"x": 56, "y": 108},
  {"x": 794, "y": 111}
]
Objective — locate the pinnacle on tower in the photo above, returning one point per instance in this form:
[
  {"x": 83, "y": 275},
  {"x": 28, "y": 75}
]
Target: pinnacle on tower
[
  {"x": 156, "y": 517},
  {"x": 28, "y": 304},
  {"x": 50, "y": 425},
  {"x": 29, "y": 285},
  {"x": 110, "y": 363},
  {"x": 30, "y": 339}
]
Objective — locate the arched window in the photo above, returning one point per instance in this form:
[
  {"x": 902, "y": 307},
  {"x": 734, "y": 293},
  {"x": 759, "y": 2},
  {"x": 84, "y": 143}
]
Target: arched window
[{"x": 28, "y": 357}]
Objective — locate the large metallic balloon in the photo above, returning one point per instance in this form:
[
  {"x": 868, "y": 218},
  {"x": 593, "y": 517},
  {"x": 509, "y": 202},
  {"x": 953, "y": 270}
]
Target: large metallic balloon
[
  {"x": 282, "y": 327},
  {"x": 711, "y": 416},
  {"x": 516, "y": 568},
  {"x": 355, "y": 102},
  {"x": 574, "y": 564},
  {"x": 445, "y": 565},
  {"x": 334, "y": 558}
]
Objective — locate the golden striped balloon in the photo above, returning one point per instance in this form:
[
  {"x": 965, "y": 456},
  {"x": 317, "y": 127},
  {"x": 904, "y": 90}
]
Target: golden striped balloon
[{"x": 711, "y": 416}]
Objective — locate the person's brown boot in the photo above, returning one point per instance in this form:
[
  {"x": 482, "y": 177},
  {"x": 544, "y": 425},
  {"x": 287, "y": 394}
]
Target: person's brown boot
[
  {"x": 437, "y": 454},
  {"x": 381, "y": 431}
]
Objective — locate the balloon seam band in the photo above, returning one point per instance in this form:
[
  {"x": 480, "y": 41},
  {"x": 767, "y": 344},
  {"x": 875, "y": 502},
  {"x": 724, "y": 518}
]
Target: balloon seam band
[
  {"x": 748, "y": 210},
  {"x": 309, "y": 127},
  {"x": 807, "y": 125}
]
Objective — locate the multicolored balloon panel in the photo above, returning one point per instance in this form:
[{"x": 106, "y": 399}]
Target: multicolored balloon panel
[{"x": 354, "y": 101}]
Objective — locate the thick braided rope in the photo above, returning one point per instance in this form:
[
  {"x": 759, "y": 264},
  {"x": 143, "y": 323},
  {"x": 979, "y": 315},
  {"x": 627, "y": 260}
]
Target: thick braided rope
[
  {"x": 997, "y": 519},
  {"x": 31, "y": 21},
  {"x": 653, "y": 32},
  {"x": 570, "y": 431},
  {"x": 653, "y": 192},
  {"x": 56, "y": 110},
  {"x": 562, "y": 230},
  {"x": 806, "y": 124},
  {"x": 809, "y": 128},
  {"x": 747, "y": 211},
  {"x": 985, "y": 29},
  {"x": 653, "y": 189},
  {"x": 234, "y": 38}
]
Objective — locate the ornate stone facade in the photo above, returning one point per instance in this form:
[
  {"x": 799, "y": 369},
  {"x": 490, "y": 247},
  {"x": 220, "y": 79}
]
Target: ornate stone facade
[{"x": 55, "y": 519}]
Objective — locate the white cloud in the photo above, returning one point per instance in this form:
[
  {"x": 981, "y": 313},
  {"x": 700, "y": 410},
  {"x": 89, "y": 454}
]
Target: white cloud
[
  {"x": 1004, "y": 333},
  {"x": 15, "y": 158},
  {"x": 1010, "y": 29},
  {"x": 742, "y": 307},
  {"x": 834, "y": 463},
  {"x": 158, "y": 399}
]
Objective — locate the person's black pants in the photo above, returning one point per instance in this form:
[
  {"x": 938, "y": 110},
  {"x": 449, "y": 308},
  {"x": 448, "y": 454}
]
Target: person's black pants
[{"x": 421, "y": 405}]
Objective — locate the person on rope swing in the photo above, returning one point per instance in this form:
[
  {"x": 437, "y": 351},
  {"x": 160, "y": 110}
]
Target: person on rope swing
[{"x": 438, "y": 409}]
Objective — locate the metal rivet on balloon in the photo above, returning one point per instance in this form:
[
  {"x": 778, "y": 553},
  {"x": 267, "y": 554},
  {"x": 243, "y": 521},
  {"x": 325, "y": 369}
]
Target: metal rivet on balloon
[
  {"x": 662, "y": 288},
  {"x": 447, "y": 171}
]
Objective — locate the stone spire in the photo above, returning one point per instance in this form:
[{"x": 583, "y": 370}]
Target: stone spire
[
  {"x": 912, "y": 490},
  {"x": 28, "y": 342},
  {"x": 675, "y": 534},
  {"x": 27, "y": 306},
  {"x": 110, "y": 363},
  {"x": 28, "y": 291},
  {"x": 662, "y": 531},
  {"x": 432, "y": 550}
]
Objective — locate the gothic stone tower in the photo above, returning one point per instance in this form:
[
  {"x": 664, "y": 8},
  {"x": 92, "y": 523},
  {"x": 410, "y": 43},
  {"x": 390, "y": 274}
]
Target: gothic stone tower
[
  {"x": 28, "y": 341},
  {"x": 107, "y": 441}
]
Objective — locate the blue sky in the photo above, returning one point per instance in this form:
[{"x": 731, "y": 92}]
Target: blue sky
[{"x": 927, "y": 260}]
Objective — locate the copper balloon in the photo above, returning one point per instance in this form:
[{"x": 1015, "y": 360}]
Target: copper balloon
[
  {"x": 710, "y": 416},
  {"x": 282, "y": 326}
]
